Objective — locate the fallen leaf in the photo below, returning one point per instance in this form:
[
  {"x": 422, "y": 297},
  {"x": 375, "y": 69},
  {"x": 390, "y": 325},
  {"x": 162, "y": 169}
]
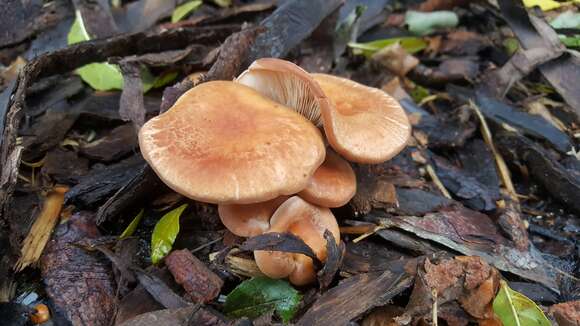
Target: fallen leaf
[
  {"x": 223, "y": 3},
  {"x": 258, "y": 296},
  {"x": 567, "y": 19},
  {"x": 396, "y": 59},
  {"x": 410, "y": 44},
  {"x": 100, "y": 76},
  {"x": 515, "y": 309},
  {"x": 422, "y": 23},
  {"x": 164, "y": 234},
  {"x": 184, "y": 10},
  {"x": 545, "y": 5},
  {"x": 132, "y": 226}
]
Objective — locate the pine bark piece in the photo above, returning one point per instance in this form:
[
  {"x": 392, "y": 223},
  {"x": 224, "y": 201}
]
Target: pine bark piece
[
  {"x": 200, "y": 283},
  {"x": 79, "y": 284}
]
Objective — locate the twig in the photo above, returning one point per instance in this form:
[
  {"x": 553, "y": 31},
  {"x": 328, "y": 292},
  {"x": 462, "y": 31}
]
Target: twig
[
  {"x": 499, "y": 161},
  {"x": 437, "y": 181},
  {"x": 368, "y": 234},
  {"x": 434, "y": 316}
]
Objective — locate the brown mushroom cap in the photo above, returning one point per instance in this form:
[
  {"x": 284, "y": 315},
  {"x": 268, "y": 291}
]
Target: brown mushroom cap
[
  {"x": 308, "y": 222},
  {"x": 333, "y": 184},
  {"x": 366, "y": 125},
  {"x": 286, "y": 83},
  {"x": 250, "y": 219},
  {"x": 223, "y": 142}
]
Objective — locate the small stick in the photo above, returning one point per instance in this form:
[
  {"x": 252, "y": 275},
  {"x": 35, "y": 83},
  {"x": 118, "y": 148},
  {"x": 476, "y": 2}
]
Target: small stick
[
  {"x": 499, "y": 161},
  {"x": 437, "y": 181}
]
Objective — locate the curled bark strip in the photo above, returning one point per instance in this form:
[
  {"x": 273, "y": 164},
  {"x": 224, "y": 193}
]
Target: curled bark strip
[
  {"x": 274, "y": 241},
  {"x": 232, "y": 54},
  {"x": 288, "y": 25},
  {"x": 132, "y": 106}
]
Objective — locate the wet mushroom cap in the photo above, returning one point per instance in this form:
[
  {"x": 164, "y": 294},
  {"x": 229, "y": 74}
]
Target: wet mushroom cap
[
  {"x": 223, "y": 142},
  {"x": 248, "y": 220},
  {"x": 308, "y": 222},
  {"x": 286, "y": 83},
  {"x": 365, "y": 125},
  {"x": 333, "y": 184}
]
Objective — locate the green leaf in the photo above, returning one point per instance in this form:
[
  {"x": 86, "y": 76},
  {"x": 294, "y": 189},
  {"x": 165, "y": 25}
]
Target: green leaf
[
  {"x": 419, "y": 93},
  {"x": 424, "y": 23},
  {"x": 515, "y": 309},
  {"x": 184, "y": 10},
  {"x": 570, "y": 41},
  {"x": 100, "y": 76},
  {"x": 545, "y": 5},
  {"x": 165, "y": 78},
  {"x": 260, "y": 295},
  {"x": 223, "y": 3},
  {"x": 132, "y": 226},
  {"x": 511, "y": 45},
  {"x": 410, "y": 44},
  {"x": 164, "y": 234}
]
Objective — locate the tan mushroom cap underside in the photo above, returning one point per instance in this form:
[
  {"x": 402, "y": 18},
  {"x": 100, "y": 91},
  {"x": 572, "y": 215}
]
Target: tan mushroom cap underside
[
  {"x": 248, "y": 220},
  {"x": 308, "y": 222},
  {"x": 223, "y": 142},
  {"x": 333, "y": 184},
  {"x": 366, "y": 125},
  {"x": 286, "y": 83}
]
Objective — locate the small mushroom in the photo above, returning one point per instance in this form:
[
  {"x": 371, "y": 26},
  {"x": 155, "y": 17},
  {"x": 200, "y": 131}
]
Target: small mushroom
[
  {"x": 308, "y": 222},
  {"x": 365, "y": 124},
  {"x": 333, "y": 184},
  {"x": 250, "y": 219},
  {"x": 225, "y": 143},
  {"x": 361, "y": 123},
  {"x": 286, "y": 83}
]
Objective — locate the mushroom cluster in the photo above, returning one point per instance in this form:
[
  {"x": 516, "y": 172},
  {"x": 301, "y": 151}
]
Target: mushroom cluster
[{"x": 269, "y": 149}]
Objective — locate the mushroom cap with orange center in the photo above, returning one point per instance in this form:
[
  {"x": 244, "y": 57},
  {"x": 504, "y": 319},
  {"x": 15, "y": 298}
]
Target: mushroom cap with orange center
[
  {"x": 223, "y": 142},
  {"x": 333, "y": 184},
  {"x": 365, "y": 124},
  {"x": 308, "y": 222}
]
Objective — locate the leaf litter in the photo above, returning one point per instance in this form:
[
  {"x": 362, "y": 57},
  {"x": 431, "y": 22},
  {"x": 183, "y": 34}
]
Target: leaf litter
[{"x": 504, "y": 197}]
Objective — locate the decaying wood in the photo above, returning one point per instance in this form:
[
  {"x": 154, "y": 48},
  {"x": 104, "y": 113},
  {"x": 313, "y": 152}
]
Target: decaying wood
[
  {"x": 556, "y": 179},
  {"x": 79, "y": 284},
  {"x": 200, "y": 283},
  {"x": 40, "y": 231},
  {"x": 474, "y": 234},
  {"x": 354, "y": 296}
]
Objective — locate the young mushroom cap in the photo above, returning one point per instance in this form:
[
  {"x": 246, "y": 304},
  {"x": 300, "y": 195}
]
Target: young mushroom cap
[
  {"x": 248, "y": 220},
  {"x": 333, "y": 184},
  {"x": 308, "y": 222},
  {"x": 365, "y": 125},
  {"x": 286, "y": 83},
  {"x": 223, "y": 142}
]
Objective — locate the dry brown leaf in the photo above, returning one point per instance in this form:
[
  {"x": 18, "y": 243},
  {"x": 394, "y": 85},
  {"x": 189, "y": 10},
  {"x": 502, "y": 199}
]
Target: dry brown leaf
[{"x": 396, "y": 59}]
